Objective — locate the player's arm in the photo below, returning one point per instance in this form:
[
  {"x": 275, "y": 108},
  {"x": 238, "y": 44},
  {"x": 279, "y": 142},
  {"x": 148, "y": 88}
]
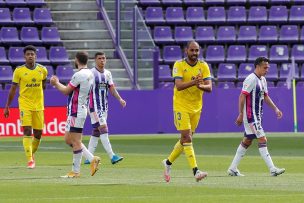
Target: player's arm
[
  {"x": 44, "y": 84},
  {"x": 66, "y": 90},
  {"x": 270, "y": 103},
  {"x": 180, "y": 85},
  {"x": 10, "y": 98},
  {"x": 242, "y": 99},
  {"x": 115, "y": 93},
  {"x": 206, "y": 86}
]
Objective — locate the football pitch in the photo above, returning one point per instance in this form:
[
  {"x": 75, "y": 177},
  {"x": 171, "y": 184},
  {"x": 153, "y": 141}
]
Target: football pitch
[{"x": 138, "y": 178}]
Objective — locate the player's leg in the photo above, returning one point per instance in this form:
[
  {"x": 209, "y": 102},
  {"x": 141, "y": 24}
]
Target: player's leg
[
  {"x": 93, "y": 143},
  {"x": 26, "y": 123},
  {"x": 262, "y": 143},
  {"x": 38, "y": 124}
]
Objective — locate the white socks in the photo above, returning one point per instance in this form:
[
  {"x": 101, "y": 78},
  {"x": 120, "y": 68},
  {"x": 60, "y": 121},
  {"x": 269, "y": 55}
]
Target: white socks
[
  {"x": 77, "y": 155},
  {"x": 240, "y": 152},
  {"x": 93, "y": 144},
  {"x": 266, "y": 156},
  {"x": 106, "y": 144},
  {"x": 88, "y": 155}
]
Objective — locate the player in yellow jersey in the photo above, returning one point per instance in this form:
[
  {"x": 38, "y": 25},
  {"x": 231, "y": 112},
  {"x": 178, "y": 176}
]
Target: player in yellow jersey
[
  {"x": 30, "y": 78},
  {"x": 192, "y": 78}
]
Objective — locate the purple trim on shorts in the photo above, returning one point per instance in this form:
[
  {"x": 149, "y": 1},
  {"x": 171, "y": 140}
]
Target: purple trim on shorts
[
  {"x": 250, "y": 136},
  {"x": 75, "y": 130},
  {"x": 77, "y": 152},
  {"x": 261, "y": 145},
  {"x": 95, "y": 132},
  {"x": 95, "y": 125}
]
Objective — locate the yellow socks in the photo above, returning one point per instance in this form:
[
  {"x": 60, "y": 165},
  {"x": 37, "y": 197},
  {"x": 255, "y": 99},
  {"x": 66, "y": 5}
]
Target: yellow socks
[
  {"x": 189, "y": 152},
  {"x": 27, "y": 145},
  {"x": 35, "y": 144},
  {"x": 178, "y": 149}
]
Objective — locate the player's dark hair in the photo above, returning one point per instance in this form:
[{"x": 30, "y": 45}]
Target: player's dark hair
[
  {"x": 82, "y": 57},
  {"x": 190, "y": 42},
  {"x": 99, "y": 53},
  {"x": 29, "y": 48},
  {"x": 260, "y": 60}
]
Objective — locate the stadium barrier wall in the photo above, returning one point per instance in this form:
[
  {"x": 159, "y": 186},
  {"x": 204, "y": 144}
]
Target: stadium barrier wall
[{"x": 150, "y": 111}]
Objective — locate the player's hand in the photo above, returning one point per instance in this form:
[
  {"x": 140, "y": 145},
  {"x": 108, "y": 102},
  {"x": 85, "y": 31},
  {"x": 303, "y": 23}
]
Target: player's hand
[
  {"x": 6, "y": 112},
  {"x": 54, "y": 80},
  {"x": 123, "y": 103},
  {"x": 239, "y": 119},
  {"x": 198, "y": 80},
  {"x": 279, "y": 113}
]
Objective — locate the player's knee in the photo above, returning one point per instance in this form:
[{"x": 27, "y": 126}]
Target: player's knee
[
  {"x": 186, "y": 138},
  {"x": 95, "y": 132},
  {"x": 37, "y": 134},
  {"x": 27, "y": 131},
  {"x": 246, "y": 142},
  {"x": 262, "y": 139},
  {"x": 103, "y": 129}
]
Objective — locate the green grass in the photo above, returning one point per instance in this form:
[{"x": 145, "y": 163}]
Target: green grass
[{"x": 138, "y": 178}]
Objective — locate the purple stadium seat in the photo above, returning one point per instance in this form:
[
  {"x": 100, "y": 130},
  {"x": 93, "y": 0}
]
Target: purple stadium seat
[
  {"x": 226, "y": 34},
  {"x": 302, "y": 72},
  {"x": 302, "y": 34},
  {"x": 6, "y": 74},
  {"x": 236, "y": 2},
  {"x": 214, "y": 2},
  {"x": 64, "y": 73},
  {"x": 285, "y": 68},
  {"x": 298, "y": 1},
  {"x": 195, "y": 15},
  {"x": 226, "y": 85},
  {"x": 216, "y": 15},
  {"x": 289, "y": 33},
  {"x": 226, "y": 72},
  {"x": 15, "y": 3},
  {"x": 42, "y": 16},
  {"x": 268, "y": 33},
  {"x": 278, "y": 14},
  {"x": 165, "y": 73},
  {"x": 2, "y": 4},
  {"x": 297, "y": 52},
  {"x": 5, "y": 16},
  {"x": 257, "y": 14},
  {"x": 175, "y": 15},
  {"x": 256, "y": 51},
  {"x": 50, "y": 70},
  {"x": 172, "y": 2},
  {"x": 236, "y": 53},
  {"x": 154, "y": 15},
  {"x": 204, "y": 34},
  {"x": 35, "y": 3},
  {"x": 163, "y": 35},
  {"x": 3, "y": 58},
  {"x": 149, "y": 2},
  {"x": 273, "y": 72},
  {"x": 183, "y": 34},
  {"x": 296, "y": 14},
  {"x": 259, "y": 2},
  {"x": 270, "y": 84},
  {"x": 50, "y": 36},
  {"x": 9, "y": 36},
  {"x": 29, "y": 35},
  {"x": 171, "y": 54},
  {"x": 166, "y": 85},
  {"x": 215, "y": 54},
  {"x": 247, "y": 34},
  {"x": 193, "y": 2},
  {"x": 22, "y": 16},
  {"x": 16, "y": 56},
  {"x": 236, "y": 14},
  {"x": 58, "y": 55},
  {"x": 280, "y": 1},
  {"x": 300, "y": 84},
  {"x": 42, "y": 56},
  {"x": 244, "y": 70},
  {"x": 279, "y": 53}
]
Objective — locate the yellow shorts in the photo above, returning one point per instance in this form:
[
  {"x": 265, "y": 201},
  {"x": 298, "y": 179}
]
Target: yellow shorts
[
  {"x": 186, "y": 121},
  {"x": 35, "y": 119}
]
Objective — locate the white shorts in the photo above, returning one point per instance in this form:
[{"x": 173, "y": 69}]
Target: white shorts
[
  {"x": 254, "y": 130},
  {"x": 98, "y": 118},
  {"x": 74, "y": 124}
]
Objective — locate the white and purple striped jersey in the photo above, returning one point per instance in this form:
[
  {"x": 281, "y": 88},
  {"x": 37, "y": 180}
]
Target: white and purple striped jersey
[
  {"x": 255, "y": 89},
  {"x": 102, "y": 82},
  {"x": 82, "y": 83}
]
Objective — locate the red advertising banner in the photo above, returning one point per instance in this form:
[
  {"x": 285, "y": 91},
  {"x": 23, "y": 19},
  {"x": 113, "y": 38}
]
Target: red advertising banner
[{"x": 54, "y": 118}]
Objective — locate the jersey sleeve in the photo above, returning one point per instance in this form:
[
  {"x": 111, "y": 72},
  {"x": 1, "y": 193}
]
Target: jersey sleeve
[
  {"x": 16, "y": 76},
  {"x": 45, "y": 73},
  {"x": 206, "y": 72},
  {"x": 177, "y": 71},
  {"x": 75, "y": 80},
  {"x": 248, "y": 85}
]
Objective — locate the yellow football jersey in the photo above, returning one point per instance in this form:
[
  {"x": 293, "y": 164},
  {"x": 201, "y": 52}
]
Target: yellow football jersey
[
  {"x": 30, "y": 87},
  {"x": 190, "y": 99}
]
